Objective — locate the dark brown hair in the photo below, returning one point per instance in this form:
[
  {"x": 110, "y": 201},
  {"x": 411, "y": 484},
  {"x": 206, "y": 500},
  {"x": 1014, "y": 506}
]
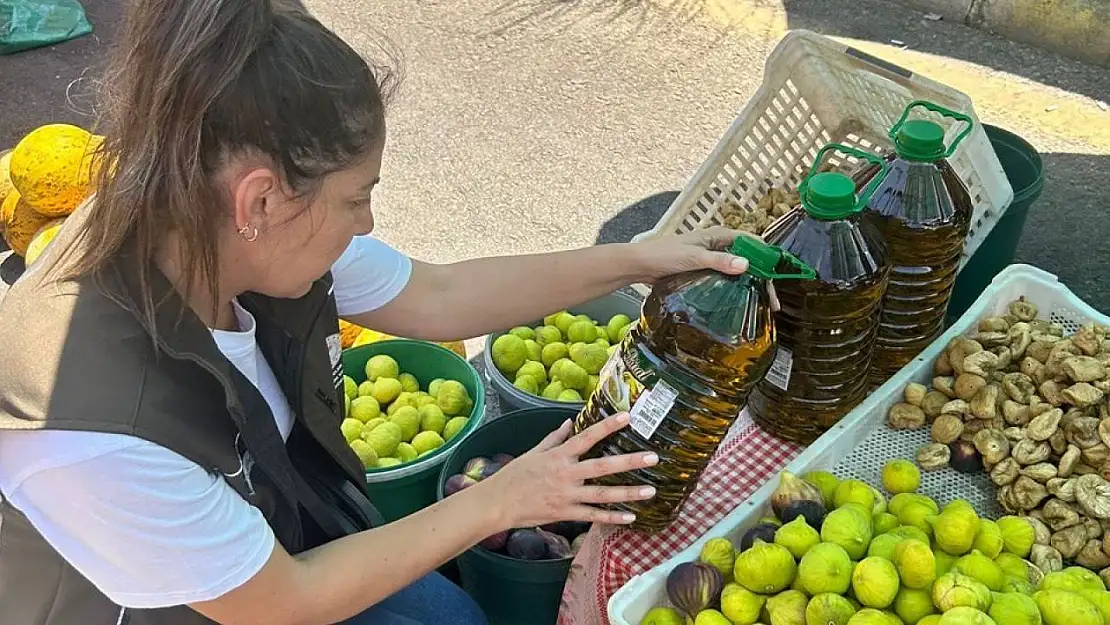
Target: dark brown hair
[{"x": 195, "y": 81}]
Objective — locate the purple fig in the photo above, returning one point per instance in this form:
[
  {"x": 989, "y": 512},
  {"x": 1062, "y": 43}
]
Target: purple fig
[
  {"x": 488, "y": 470},
  {"x": 557, "y": 546},
  {"x": 473, "y": 468},
  {"x": 502, "y": 459},
  {"x": 791, "y": 490},
  {"x": 694, "y": 586},
  {"x": 763, "y": 531},
  {"x": 568, "y": 529},
  {"x": 495, "y": 542},
  {"x": 576, "y": 544},
  {"x": 458, "y": 482},
  {"x": 526, "y": 545}
]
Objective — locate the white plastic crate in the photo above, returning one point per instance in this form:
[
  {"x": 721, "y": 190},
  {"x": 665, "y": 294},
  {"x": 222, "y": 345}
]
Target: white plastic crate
[
  {"x": 861, "y": 443},
  {"x": 816, "y": 91}
]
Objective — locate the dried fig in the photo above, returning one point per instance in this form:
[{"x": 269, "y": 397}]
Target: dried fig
[
  {"x": 993, "y": 446},
  {"x": 1061, "y": 351},
  {"x": 914, "y": 393},
  {"x": 1104, "y": 431},
  {"x": 1028, "y": 452},
  {"x": 1028, "y": 494},
  {"x": 1038, "y": 407},
  {"x": 1041, "y": 472},
  {"x": 1046, "y": 558},
  {"x": 1084, "y": 369},
  {"x": 942, "y": 366},
  {"x": 1058, "y": 443},
  {"x": 1082, "y": 468},
  {"x": 1094, "y": 456},
  {"x": 947, "y": 428},
  {"x": 991, "y": 339},
  {"x": 1051, "y": 392},
  {"x": 1040, "y": 348},
  {"x": 1087, "y": 340},
  {"x": 980, "y": 363},
  {"x": 959, "y": 351},
  {"x": 1019, "y": 387},
  {"x": 993, "y": 324},
  {"x": 1059, "y": 515},
  {"x": 1082, "y": 431},
  {"x": 932, "y": 403},
  {"x": 1082, "y": 395},
  {"x": 1021, "y": 335},
  {"x": 956, "y": 407},
  {"x": 1015, "y": 413},
  {"x": 1094, "y": 528},
  {"x": 985, "y": 403},
  {"x": 1053, "y": 485},
  {"x": 1005, "y": 357},
  {"x": 1041, "y": 533},
  {"x": 1092, "y": 556},
  {"x": 1034, "y": 369},
  {"x": 1093, "y": 495},
  {"x": 1023, "y": 309},
  {"x": 1068, "y": 461},
  {"x": 1069, "y": 541},
  {"x": 1014, "y": 434},
  {"x": 974, "y": 426},
  {"x": 1042, "y": 427},
  {"x": 1104, "y": 574},
  {"x": 1006, "y": 500},
  {"x": 1066, "y": 491},
  {"x": 945, "y": 384},
  {"x": 903, "y": 416},
  {"x": 934, "y": 456},
  {"x": 967, "y": 385},
  {"x": 1005, "y": 472}
]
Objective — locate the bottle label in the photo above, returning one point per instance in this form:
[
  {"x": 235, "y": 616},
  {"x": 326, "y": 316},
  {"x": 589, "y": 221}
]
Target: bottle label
[
  {"x": 779, "y": 374},
  {"x": 628, "y": 392}
]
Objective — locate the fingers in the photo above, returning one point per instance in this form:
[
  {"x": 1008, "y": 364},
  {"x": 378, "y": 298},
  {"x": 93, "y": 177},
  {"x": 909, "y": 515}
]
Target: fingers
[
  {"x": 556, "y": 438},
  {"x": 720, "y": 237},
  {"x": 586, "y": 439},
  {"x": 609, "y": 465},
  {"x": 775, "y": 304},
  {"x": 597, "y": 515},
  {"x": 617, "y": 494},
  {"x": 723, "y": 262}
]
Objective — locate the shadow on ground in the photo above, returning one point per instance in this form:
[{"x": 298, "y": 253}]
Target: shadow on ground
[{"x": 1055, "y": 238}]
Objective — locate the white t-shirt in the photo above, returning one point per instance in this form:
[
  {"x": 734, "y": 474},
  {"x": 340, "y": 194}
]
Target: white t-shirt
[{"x": 147, "y": 526}]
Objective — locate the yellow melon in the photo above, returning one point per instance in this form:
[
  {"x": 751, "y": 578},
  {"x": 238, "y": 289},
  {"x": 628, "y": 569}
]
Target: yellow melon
[
  {"x": 41, "y": 240},
  {"x": 5, "y": 177},
  {"x": 21, "y": 222},
  {"x": 54, "y": 169}
]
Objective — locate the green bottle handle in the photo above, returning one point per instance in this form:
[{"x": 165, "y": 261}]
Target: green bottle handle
[
  {"x": 936, "y": 108},
  {"x": 805, "y": 272},
  {"x": 874, "y": 159}
]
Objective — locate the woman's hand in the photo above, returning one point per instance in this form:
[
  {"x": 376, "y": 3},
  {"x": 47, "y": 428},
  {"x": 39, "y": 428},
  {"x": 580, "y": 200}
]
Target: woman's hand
[
  {"x": 547, "y": 483},
  {"x": 700, "y": 249}
]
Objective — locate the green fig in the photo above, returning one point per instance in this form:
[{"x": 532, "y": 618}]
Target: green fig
[
  {"x": 1061, "y": 607},
  {"x": 978, "y": 566},
  {"x": 956, "y": 589},
  {"x": 740, "y": 605},
  {"x": 765, "y": 568},
  {"x": 797, "y": 536},
  {"x": 1018, "y": 535},
  {"x": 913, "y": 605},
  {"x": 826, "y": 482},
  {"x": 1011, "y": 608},
  {"x": 828, "y": 609},
  {"x": 788, "y": 608},
  {"x": 962, "y": 615}
]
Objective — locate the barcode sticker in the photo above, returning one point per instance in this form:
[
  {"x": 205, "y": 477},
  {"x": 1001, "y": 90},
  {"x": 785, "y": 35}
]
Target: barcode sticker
[
  {"x": 651, "y": 407},
  {"x": 779, "y": 374}
]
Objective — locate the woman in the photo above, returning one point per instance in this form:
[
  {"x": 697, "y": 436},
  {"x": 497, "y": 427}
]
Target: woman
[{"x": 169, "y": 441}]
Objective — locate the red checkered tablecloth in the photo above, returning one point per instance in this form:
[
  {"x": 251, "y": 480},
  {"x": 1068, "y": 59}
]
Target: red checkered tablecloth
[{"x": 610, "y": 556}]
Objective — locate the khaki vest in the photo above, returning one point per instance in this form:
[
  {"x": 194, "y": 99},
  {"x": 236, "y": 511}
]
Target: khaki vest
[{"x": 77, "y": 357}]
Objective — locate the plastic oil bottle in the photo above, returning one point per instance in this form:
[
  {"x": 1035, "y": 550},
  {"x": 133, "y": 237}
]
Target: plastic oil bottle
[
  {"x": 827, "y": 326},
  {"x": 924, "y": 211},
  {"x": 684, "y": 373}
]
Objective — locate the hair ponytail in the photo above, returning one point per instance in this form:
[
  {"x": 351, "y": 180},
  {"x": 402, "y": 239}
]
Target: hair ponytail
[{"x": 194, "y": 81}]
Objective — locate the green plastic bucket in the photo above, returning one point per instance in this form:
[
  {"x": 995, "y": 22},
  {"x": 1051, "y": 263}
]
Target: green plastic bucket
[
  {"x": 399, "y": 491},
  {"x": 1025, "y": 171},
  {"x": 510, "y": 591}
]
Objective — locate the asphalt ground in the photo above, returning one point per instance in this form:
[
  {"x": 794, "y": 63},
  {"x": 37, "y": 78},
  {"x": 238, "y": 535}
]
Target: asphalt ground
[{"x": 531, "y": 125}]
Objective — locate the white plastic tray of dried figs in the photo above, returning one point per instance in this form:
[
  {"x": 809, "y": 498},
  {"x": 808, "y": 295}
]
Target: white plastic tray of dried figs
[{"x": 861, "y": 443}]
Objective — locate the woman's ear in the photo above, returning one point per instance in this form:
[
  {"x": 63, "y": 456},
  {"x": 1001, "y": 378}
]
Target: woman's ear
[{"x": 255, "y": 199}]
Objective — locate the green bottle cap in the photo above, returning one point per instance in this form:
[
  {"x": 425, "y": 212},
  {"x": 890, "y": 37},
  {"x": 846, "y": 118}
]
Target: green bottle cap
[
  {"x": 764, "y": 259},
  {"x": 830, "y": 195},
  {"x": 920, "y": 140}
]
